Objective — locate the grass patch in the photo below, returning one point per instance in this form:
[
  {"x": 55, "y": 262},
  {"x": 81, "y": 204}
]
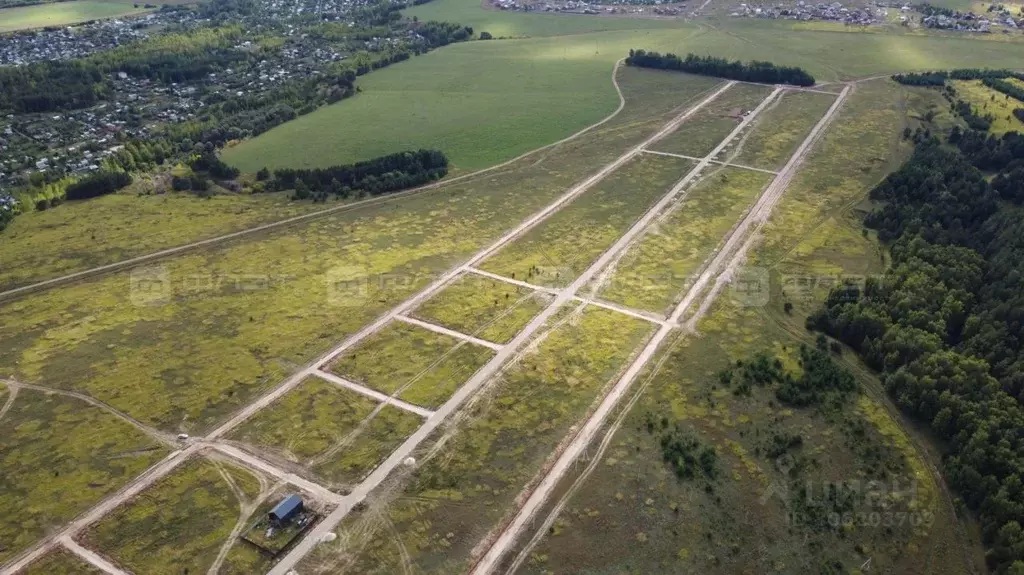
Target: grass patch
[
  {"x": 58, "y": 457},
  {"x": 781, "y": 128},
  {"x": 60, "y": 562},
  {"x": 178, "y": 525},
  {"x": 81, "y": 235},
  {"x": 461, "y": 492},
  {"x": 361, "y": 455},
  {"x": 654, "y": 273},
  {"x": 200, "y": 335},
  {"x": 562, "y": 247},
  {"x": 699, "y": 135},
  {"x": 307, "y": 420},
  {"x": 991, "y": 102},
  {"x": 489, "y": 309},
  {"x": 427, "y": 366}
]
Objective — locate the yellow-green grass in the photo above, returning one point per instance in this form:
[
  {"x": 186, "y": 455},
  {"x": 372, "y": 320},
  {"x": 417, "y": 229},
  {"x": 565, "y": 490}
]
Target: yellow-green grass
[
  {"x": 232, "y": 321},
  {"x": 60, "y": 562},
  {"x": 307, "y": 420},
  {"x": 655, "y": 272},
  {"x": 781, "y": 128},
  {"x": 989, "y": 102},
  {"x": 557, "y": 251},
  {"x": 63, "y": 13},
  {"x": 461, "y": 492},
  {"x": 632, "y": 514},
  {"x": 486, "y": 308},
  {"x": 425, "y": 365},
  {"x": 179, "y": 523},
  {"x": 699, "y": 135},
  {"x": 58, "y": 457},
  {"x": 374, "y": 442},
  {"x": 80, "y": 235}
]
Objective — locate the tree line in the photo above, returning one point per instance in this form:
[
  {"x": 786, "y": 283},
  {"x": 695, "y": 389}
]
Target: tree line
[
  {"x": 374, "y": 177},
  {"x": 945, "y": 325},
  {"x": 762, "y": 72},
  {"x": 939, "y": 77},
  {"x": 1000, "y": 85}
]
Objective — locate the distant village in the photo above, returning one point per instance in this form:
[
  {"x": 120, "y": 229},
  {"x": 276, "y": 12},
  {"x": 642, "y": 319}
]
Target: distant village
[
  {"x": 595, "y": 7},
  {"x": 925, "y": 15},
  {"x": 76, "y": 142},
  {"x": 805, "y": 11}
]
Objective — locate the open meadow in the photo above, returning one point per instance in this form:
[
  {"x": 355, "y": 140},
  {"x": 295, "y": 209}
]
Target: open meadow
[
  {"x": 632, "y": 508},
  {"x": 39, "y": 245},
  {"x": 483, "y": 102},
  {"x": 431, "y": 522}
]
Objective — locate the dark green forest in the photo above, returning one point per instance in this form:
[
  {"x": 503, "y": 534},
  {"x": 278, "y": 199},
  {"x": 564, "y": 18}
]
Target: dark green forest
[
  {"x": 945, "y": 324},
  {"x": 762, "y": 72}
]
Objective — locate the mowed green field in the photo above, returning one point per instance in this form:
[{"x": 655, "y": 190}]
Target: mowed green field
[
  {"x": 487, "y": 101},
  {"x": 63, "y": 13}
]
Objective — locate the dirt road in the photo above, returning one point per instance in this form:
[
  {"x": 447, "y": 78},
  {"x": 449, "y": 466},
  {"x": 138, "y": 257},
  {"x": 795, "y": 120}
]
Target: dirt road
[{"x": 759, "y": 213}]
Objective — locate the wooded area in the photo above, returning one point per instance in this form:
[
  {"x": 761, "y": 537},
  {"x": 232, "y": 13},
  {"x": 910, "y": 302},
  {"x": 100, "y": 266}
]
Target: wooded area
[
  {"x": 762, "y": 72},
  {"x": 946, "y": 323}
]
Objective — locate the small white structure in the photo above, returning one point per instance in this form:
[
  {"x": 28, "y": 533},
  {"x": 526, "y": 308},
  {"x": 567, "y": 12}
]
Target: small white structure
[{"x": 409, "y": 461}]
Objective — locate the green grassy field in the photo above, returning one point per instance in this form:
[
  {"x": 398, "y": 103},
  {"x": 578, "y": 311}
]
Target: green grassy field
[
  {"x": 780, "y": 129},
  {"x": 458, "y": 493},
  {"x": 489, "y": 309},
  {"x": 63, "y": 13},
  {"x": 483, "y": 102},
  {"x": 60, "y": 562},
  {"x": 699, "y": 134},
  {"x": 629, "y": 512},
  {"x": 655, "y": 272},
  {"x": 58, "y": 457},
  {"x": 80, "y": 235},
  {"x": 179, "y": 524},
  {"x": 558, "y": 250}
]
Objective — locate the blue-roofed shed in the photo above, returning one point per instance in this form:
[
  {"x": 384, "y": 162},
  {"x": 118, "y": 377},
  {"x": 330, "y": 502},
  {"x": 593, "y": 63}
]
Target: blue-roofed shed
[{"x": 286, "y": 509}]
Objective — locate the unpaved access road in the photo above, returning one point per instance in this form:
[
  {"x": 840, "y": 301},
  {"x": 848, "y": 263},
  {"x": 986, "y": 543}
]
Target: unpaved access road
[{"x": 759, "y": 213}]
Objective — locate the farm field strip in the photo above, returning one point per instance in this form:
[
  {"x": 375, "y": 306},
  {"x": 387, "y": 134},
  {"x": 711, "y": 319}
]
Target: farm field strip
[
  {"x": 372, "y": 393},
  {"x": 261, "y": 465},
  {"x": 91, "y": 557},
  {"x": 636, "y": 313},
  {"x": 716, "y": 162},
  {"x": 449, "y": 332},
  {"x": 508, "y": 351},
  {"x": 176, "y": 458},
  {"x": 756, "y": 217}
]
